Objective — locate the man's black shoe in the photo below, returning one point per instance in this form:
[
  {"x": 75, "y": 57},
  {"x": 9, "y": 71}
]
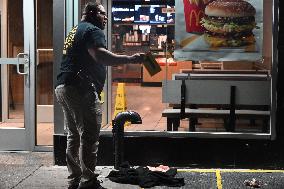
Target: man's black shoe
[
  {"x": 92, "y": 184},
  {"x": 73, "y": 183},
  {"x": 73, "y": 186}
]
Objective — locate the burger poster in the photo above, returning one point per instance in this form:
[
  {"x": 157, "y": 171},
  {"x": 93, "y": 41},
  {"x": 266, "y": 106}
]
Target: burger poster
[{"x": 219, "y": 30}]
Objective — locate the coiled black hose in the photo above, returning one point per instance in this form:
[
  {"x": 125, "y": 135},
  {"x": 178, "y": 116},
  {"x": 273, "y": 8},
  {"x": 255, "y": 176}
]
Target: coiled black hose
[{"x": 118, "y": 133}]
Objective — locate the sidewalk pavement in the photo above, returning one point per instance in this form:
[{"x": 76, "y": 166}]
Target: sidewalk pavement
[{"x": 35, "y": 170}]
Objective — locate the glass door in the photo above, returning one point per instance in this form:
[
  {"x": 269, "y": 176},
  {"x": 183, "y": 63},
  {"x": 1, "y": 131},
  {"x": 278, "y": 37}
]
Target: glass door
[{"x": 17, "y": 82}]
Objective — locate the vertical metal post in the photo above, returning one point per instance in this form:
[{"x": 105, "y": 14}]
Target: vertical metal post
[
  {"x": 76, "y": 11},
  {"x": 69, "y": 16},
  {"x": 182, "y": 99},
  {"x": 232, "y": 118},
  {"x": 118, "y": 142}
]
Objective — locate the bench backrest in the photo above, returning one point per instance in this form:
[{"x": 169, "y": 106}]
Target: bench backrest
[{"x": 211, "y": 91}]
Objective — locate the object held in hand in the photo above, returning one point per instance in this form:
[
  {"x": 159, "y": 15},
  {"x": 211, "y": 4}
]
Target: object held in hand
[{"x": 151, "y": 64}]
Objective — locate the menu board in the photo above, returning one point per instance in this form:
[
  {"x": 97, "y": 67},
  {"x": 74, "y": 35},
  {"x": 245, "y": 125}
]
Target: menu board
[
  {"x": 141, "y": 14},
  {"x": 157, "y": 16},
  {"x": 122, "y": 14},
  {"x": 168, "y": 2},
  {"x": 212, "y": 37}
]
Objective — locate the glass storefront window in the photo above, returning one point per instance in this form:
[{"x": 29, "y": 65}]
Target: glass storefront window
[
  {"x": 142, "y": 26},
  {"x": 163, "y": 28},
  {"x": 222, "y": 61}
]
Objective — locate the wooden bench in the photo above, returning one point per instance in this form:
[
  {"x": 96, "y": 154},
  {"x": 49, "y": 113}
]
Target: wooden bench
[{"x": 239, "y": 96}]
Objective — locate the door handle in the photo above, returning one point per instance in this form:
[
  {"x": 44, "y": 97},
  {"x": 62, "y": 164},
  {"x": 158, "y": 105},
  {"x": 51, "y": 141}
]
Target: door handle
[{"x": 23, "y": 58}]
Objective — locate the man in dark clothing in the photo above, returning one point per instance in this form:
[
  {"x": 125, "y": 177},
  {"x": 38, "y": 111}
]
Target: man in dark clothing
[{"x": 79, "y": 83}]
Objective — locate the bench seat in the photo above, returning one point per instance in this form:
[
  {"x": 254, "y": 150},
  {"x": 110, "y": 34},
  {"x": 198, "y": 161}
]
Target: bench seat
[
  {"x": 173, "y": 116},
  {"x": 228, "y": 97},
  {"x": 175, "y": 113}
]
